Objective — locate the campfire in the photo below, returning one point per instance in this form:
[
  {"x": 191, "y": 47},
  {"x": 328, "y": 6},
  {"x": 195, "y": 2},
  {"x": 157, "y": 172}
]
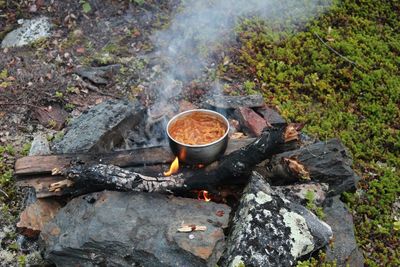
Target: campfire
[{"x": 242, "y": 180}]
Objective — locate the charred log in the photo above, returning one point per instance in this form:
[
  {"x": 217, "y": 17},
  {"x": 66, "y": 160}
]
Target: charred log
[
  {"x": 229, "y": 170},
  {"x": 324, "y": 162}
]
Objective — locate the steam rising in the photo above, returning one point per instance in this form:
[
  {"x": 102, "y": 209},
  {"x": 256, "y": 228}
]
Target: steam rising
[{"x": 202, "y": 25}]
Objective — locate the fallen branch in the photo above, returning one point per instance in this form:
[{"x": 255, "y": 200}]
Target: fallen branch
[
  {"x": 337, "y": 53},
  {"x": 1, "y": 190}
]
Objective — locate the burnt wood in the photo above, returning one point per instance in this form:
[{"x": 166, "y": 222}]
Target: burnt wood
[
  {"x": 323, "y": 162},
  {"x": 35, "y": 165},
  {"x": 229, "y": 170}
]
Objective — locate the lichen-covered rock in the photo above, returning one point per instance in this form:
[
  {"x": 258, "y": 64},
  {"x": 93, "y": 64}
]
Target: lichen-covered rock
[
  {"x": 39, "y": 146},
  {"x": 101, "y": 128},
  {"x": 30, "y": 31},
  {"x": 135, "y": 229},
  {"x": 269, "y": 230},
  {"x": 298, "y": 193}
]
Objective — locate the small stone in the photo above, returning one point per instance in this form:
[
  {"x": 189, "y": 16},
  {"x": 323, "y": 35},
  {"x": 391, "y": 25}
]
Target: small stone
[
  {"x": 191, "y": 236},
  {"x": 29, "y": 32},
  {"x": 271, "y": 116},
  {"x": 251, "y": 121},
  {"x": 39, "y": 146},
  {"x": 36, "y": 215}
]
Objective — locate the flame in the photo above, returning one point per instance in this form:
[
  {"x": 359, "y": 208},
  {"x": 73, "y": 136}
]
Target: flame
[
  {"x": 173, "y": 168},
  {"x": 203, "y": 195},
  {"x": 200, "y": 166}
]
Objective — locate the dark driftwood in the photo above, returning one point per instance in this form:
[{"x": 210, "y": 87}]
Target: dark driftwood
[
  {"x": 238, "y": 164},
  {"x": 35, "y": 165},
  {"x": 323, "y": 162}
]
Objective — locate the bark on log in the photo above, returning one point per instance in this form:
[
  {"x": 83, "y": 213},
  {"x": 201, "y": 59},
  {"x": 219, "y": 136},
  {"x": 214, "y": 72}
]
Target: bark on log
[
  {"x": 324, "y": 162},
  {"x": 228, "y": 170}
]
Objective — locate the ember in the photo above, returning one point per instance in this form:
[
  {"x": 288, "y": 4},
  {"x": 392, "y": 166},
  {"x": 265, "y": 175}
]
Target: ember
[{"x": 173, "y": 168}]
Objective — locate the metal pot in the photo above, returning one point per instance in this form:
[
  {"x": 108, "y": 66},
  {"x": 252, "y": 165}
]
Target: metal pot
[{"x": 199, "y": 154}]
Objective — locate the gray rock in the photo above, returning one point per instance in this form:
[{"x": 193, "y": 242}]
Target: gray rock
[
  {"x": 101, "y": 128},
  {"x": 39, "y": 146},
  {"x": 30, "y": 31},
  {"x": 344, "y": 249},
  {"x": 233, "y": 102},
  {"x": 269, "y": 230},
  {"x": 297, "y": 193},
  {"x": 123, "y": 229}
]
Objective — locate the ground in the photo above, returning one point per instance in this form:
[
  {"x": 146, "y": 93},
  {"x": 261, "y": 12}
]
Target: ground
[{"x": 338, "y": 74}]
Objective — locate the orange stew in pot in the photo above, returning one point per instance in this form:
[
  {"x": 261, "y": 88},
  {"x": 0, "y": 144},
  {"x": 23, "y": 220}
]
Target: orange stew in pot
[{"x": 197, "y": 128}]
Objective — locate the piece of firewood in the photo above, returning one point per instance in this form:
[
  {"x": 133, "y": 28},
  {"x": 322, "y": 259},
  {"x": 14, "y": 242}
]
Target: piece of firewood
[
  {"x": 34, "y": 165},
  {"x": 323, "y": 162},
  {"x": 90, "y": 178}
]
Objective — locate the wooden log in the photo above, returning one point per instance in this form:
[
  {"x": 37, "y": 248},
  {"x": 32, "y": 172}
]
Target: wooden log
[
  {"x": 323, "y": 162},
  {"x": 90, "y": 178},
  {"x": 34, "y": 165}
]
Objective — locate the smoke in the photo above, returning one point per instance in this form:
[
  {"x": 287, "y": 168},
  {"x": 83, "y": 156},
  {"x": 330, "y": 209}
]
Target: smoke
[{"x": 200, "y": 26}]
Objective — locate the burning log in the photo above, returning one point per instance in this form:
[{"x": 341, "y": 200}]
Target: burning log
[{"x": 229, "y": 170}]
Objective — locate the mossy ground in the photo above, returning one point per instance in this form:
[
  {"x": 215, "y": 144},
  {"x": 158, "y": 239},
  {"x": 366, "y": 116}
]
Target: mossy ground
[{"x": 357, "y": 102}]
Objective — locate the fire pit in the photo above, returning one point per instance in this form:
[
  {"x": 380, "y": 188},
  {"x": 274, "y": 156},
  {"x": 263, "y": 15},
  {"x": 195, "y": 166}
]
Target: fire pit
[{"x": 183, "y": 219}]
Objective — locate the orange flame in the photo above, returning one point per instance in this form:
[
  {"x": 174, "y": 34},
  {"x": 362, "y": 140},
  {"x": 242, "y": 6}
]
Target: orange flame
[
  {"x": 203, "y": 195},
  {"x": 173, "y": 168}
]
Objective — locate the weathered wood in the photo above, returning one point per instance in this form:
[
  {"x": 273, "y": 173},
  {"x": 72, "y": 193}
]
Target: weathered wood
[{"x": 34, "y": 165}]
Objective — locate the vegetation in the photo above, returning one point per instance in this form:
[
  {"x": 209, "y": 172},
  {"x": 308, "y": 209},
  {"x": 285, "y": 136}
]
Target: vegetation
[
  {"x": 354, "y": 96},
  {"x": 8, "y": 209}
]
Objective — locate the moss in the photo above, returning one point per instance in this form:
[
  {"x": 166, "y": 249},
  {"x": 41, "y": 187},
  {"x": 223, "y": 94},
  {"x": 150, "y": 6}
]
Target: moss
[
  {"x": 359, "y": 103},
  {"x": 310, "y": 198}
]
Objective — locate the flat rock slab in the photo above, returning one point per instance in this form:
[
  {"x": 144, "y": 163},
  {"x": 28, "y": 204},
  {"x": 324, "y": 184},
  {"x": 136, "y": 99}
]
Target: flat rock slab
[
  {"x": 344, "y": 249},
  {"x": 100, "y": 128},
  {"x": 234, "y": 102},
  {"x": 135, "y": 229},
  {"x": 29, "y": 32},
  {"x": 269, "y": 230}
]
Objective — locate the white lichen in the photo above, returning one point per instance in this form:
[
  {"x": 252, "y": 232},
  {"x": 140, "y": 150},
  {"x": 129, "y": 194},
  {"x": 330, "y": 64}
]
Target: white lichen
[
  {"x": 237, "y": 261},
  {"x": 300, "y": 236},
  {"x": 262, "y": 198}
]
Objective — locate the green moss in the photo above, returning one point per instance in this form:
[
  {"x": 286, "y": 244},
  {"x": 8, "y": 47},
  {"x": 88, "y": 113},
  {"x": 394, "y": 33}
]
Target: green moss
[
  {"x": 310, "y": 198},
  {"x": 359, "y": 103}
]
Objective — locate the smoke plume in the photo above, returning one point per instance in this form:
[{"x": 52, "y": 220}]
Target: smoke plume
[{"x": 201, "y": 25}]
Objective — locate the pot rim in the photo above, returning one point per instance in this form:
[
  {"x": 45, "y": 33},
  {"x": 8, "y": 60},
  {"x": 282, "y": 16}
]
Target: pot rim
[{"x": 199, "y": 110}]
